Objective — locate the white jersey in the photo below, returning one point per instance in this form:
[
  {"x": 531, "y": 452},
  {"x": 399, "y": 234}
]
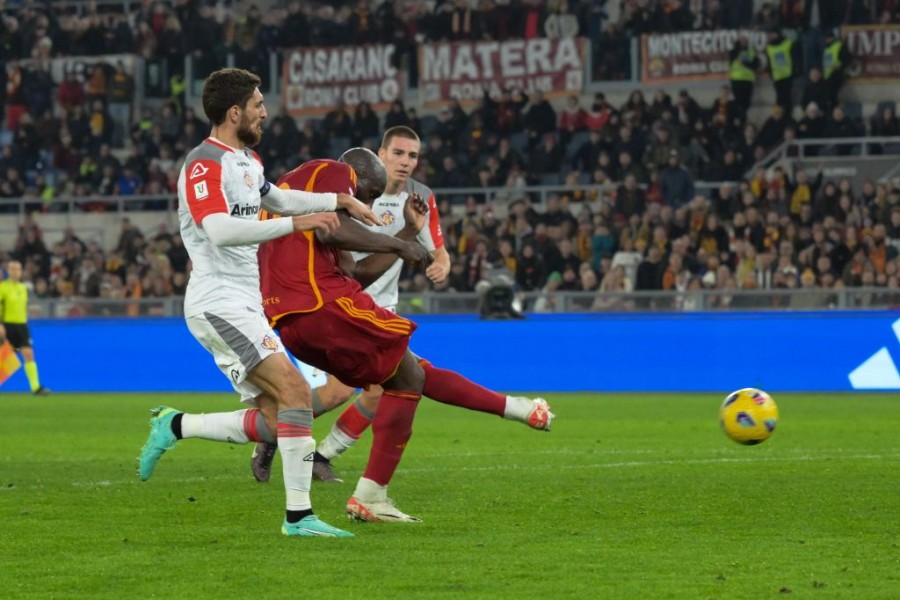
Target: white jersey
[
  {"x": 389, "y": 208},
  {"x": 217, "y": 178}
]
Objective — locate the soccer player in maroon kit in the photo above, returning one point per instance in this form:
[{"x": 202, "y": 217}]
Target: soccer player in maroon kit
[{"x": 326, "y": 320}]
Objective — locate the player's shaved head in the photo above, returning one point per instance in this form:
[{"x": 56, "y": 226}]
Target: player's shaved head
[{"x": 371, "y": 177}]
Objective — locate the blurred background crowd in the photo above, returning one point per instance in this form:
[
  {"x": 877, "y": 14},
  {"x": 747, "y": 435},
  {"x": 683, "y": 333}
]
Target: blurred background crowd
[{"x": 656, "y": 224}]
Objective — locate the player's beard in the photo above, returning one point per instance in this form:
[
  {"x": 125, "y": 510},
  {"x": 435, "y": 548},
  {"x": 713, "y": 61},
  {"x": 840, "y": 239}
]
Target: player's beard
[{"x": 249, "y": 135}]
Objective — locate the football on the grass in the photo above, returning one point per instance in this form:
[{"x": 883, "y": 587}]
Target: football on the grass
[{"x": 748, "y": 416}]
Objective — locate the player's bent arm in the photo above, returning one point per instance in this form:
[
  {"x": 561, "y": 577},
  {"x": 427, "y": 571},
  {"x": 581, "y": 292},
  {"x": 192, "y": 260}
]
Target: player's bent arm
[
  {"x": 225, "y": 230},
  {"x": 287, "y": 201},
  {"x": 372, "y": 267},
  {"x": 297, "y": 202},
  {"x": 353, "y": 236},
  {"x": 438, "y": 270}
]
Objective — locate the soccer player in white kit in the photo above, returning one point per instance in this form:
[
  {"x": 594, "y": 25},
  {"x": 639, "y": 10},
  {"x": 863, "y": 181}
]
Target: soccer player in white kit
[
  {"x": 221, "y": 189},
  {"x": 399, "y": 152}
]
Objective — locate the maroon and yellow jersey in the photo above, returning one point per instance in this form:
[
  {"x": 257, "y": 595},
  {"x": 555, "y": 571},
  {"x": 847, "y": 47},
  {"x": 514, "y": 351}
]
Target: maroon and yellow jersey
[{"x": 298, "y": 273}]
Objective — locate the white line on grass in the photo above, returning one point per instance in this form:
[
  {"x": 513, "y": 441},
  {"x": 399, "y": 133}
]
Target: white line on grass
[{"x": 511, "y": 467}]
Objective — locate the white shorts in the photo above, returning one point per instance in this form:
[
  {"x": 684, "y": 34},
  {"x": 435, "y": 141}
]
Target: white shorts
[{"x": 239, "y": 339}]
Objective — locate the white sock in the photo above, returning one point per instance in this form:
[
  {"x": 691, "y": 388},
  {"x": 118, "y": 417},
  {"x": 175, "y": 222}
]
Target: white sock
[
  {"x": 296, "y": 456},
  {"x": 369, "y": 491},
  {"x": 219, "y": 427},
  {"x": 518, "y": 408},
  {"x": 336, "y": 443}
]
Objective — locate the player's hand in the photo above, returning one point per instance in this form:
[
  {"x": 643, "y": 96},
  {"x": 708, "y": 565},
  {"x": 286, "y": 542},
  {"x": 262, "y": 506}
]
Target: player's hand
[
  {"x": 415, "y": 212},
  {"x": 437, "y": 272},
  {"x": 358, "y": 210},
  {"x": 325, "y": 223},
  {"x": 416, "y": 255}
]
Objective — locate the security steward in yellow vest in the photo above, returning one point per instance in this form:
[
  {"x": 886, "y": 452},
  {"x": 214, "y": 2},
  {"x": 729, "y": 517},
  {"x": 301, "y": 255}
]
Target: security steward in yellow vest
[
  {"x": 742, "y": 66},
  {"x": 835, "y": 60},
  {"x": 782, "y": 55}
]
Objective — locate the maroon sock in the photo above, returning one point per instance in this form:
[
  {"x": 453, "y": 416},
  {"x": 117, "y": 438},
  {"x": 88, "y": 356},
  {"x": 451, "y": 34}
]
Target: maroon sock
[
  {"x": 391, "y": 430},
  {"x": 449, "y": 387}
]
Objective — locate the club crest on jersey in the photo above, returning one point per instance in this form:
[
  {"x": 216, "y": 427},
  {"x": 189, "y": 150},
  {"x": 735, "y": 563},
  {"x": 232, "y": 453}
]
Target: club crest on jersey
[
  {"x": 198, "y": 171},
  {"x": 269, "y": 343},
  {"x": 247, "y": 179},
  {"x": 200, "y": 190},
  {"x": 387, "y": 217}
]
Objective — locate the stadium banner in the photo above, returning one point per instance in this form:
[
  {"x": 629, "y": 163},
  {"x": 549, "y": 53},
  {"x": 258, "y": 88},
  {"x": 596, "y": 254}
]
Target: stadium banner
[
  {"x": 876, "y": 52},
  {"x": 83, "y": 66},
  {"x": 692, "y": 55},
  {"x": 464, "y": 70},
  {"x": 671, "y": 352},
  {"x": 314, "y": 80}
]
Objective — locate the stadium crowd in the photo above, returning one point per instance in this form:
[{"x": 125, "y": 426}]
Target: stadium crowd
[{"x": 651, "y": 231}]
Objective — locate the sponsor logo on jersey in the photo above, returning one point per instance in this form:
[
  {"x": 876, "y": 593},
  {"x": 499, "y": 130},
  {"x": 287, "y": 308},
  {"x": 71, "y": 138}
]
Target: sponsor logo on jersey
[
  {"x": 244, "y": 210},
  {"x": 247, "y": 179},
  {"x": 198, "y": 171},
  {"x": 269, "y": 343},
  {"x": 243, "y": 163},
  {"x": 200, "y": 190},
  {"x": 387, "y": 217}
]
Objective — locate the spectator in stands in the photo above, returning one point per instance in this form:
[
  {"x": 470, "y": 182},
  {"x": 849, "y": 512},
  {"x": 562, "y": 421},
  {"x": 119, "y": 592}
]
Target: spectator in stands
[
  {"x": 572, "y": 119},
  {"x": 676, "y": 184},
  {"x": 772, "y": 132},
  {"x": 561, "y": 23},
  {"x": 539, "y": 118},
  {"x": 885, "y": 124},
  {"x": 337, "y": 123},
  {"x": 839, "y": 126},
  {"x": 396, "y": 115}
]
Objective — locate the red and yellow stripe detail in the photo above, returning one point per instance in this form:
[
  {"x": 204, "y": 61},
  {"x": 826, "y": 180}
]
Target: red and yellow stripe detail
[{"x": 394, "y": 325}]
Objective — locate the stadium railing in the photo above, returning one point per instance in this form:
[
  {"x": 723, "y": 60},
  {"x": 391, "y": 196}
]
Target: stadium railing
[
  {"x": 861, "y": 147},
  {"x": 169, "y": 202},
  {"x": 530, "y": 302}
]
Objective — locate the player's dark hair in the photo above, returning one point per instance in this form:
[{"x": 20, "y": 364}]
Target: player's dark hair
[
  {"x": 401, "y": 131},
  {"x": 226, "y": 88}
]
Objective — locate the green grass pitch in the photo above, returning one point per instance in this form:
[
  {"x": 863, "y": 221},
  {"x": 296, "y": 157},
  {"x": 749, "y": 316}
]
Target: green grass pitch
[{"x": 630, "y": 496}]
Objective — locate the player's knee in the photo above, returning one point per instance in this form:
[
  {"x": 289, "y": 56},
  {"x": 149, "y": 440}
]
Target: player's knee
[
  {"x": 369, "y": 398},
  {"x": 334, "y": 395},
  {"x": 409, "y": 376}
]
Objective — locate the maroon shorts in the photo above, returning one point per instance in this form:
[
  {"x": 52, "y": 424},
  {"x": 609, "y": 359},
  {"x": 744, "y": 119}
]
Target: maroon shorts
[{"x": 351, "y": 338}]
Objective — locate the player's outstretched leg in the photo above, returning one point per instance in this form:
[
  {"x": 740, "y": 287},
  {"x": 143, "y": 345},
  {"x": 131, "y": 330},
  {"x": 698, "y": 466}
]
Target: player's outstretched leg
[
  {"x": 161, "y": 439},
  {"x": 449, "y": 387},
  {"x": 533, "y": 412}
]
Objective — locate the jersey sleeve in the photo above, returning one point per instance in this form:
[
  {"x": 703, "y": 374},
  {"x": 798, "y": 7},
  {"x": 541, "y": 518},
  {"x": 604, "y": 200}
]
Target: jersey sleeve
[
  {"x": 431, "y": 235},
  {"x": 204, "y": 191},
  {"x": 261, "y": 182}
]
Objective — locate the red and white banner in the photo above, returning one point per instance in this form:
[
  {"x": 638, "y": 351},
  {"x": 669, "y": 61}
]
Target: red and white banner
[
  {"x": 692, "y": 55},
  {"x": 876, "y": 52},
  {"x": 315, "y": 79},
  {"x": 464, "y": 70}
]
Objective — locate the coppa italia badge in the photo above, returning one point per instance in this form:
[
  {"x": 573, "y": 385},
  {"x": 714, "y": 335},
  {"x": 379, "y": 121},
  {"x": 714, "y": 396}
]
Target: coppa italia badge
[
  {"x": 269, "y": 343},
  {"x": 247, "y": 179},
  {"x": 387, "y": 217}
]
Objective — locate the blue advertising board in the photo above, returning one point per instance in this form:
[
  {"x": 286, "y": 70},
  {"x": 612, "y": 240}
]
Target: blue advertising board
[{"x": 776, "y": 351}]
